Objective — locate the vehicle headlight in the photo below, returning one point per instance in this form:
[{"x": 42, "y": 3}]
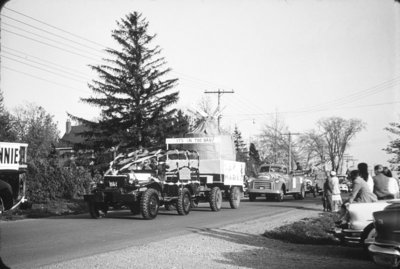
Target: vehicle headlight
[{"x": 132, "y": 179}]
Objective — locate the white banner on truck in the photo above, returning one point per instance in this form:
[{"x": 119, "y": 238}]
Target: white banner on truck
[
  {"x": 193, "y": 140},
  {"x": 10, "y": 155}
]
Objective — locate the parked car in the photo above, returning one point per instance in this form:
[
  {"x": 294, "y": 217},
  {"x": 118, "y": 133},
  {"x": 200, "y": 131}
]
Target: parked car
[
  {"x": 360, "y": 229},
  {"x": 385, "y": 249}
]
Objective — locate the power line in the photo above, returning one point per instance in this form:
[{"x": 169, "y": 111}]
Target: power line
[
  {"x": 48, "y": 32},
  {"x": 43, "y": 69},
  {"x": 40, "y": 78},
  {"x": 50, "y": 45},
  {"x": 54, "y": 27},
  {"x": 42, "y": 64}
]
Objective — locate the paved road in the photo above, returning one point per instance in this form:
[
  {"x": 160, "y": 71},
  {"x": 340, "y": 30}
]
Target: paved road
[{"x": 34, "y": 242}]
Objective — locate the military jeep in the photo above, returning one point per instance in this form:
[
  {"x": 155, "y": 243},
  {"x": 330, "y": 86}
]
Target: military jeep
[{"x": 143, "y": 182}]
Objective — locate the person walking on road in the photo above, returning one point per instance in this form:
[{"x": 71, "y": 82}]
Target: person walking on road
[{"x": 336, "y": 197}]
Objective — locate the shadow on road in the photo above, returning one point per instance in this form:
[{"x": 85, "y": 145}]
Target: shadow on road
[{"x": 262, "y": 252}]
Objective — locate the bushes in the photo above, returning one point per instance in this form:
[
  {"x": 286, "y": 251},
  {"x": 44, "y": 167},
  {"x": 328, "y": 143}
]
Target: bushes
[
  {"x": 47, "y": 181},
  {"x": 306, "y": 231}
]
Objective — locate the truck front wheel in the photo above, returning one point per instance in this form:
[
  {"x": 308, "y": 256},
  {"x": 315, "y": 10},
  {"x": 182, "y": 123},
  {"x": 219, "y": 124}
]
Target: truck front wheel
[
  {"x": 149, "y": 204},
  {"x": 215, "y": 199},
  {"x": 279, "y": 197},
  {"x": 234, "y": 197},
  {"x": 183, "y": 204}
]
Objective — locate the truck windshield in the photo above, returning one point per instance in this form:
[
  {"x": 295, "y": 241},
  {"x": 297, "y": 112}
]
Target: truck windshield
[{"x": 266, "y": 169}]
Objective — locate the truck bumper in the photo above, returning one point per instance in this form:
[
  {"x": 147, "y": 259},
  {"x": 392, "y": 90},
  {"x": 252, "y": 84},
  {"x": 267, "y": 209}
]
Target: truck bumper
[
  {"x": 262, "y": 191},
  {"x": 111, "y": 197}
]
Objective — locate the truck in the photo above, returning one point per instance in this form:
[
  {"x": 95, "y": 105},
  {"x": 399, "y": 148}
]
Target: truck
[
  {"x": 274, "y": 181},
  {"x": 220, "y": 175},
  {"x": 144, "y": 181},
  {"x": 13, "y": 168}
]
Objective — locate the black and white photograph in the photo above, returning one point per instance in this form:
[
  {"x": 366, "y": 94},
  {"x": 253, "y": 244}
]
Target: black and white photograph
[{"x": 199, "y": 133}]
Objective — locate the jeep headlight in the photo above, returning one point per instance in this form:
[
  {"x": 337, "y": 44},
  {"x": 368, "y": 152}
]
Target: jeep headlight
[{"x": 132, "y": 179}]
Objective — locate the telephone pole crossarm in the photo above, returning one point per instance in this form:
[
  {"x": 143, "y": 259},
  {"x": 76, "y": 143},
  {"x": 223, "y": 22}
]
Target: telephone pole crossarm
[{"x": 219, "y": 92}]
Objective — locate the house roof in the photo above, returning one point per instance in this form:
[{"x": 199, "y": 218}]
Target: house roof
[{"x": 75, "y": 135}]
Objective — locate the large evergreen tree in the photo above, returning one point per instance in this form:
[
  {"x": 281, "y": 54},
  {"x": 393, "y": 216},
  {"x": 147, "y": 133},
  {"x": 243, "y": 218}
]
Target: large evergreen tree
[{"x": 134, "y": 99}]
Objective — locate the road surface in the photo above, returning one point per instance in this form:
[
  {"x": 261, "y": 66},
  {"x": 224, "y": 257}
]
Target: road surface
[{"x": 31, "y": 243}]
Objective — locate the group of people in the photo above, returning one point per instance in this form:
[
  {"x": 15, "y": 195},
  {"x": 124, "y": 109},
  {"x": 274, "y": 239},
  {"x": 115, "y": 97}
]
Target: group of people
[{"x": 365, "y": 188}]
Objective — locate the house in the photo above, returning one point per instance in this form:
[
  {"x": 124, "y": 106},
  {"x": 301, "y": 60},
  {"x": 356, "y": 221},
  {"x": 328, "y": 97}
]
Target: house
[{"x": 72, "y": 137}]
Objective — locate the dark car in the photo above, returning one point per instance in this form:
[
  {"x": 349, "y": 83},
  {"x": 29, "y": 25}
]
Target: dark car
[{"x": 385, "y": 249}]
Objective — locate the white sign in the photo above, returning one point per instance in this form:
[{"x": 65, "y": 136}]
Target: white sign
[
  {"x": 193, "y": 140},
  {"x": 10, "y": 155}
]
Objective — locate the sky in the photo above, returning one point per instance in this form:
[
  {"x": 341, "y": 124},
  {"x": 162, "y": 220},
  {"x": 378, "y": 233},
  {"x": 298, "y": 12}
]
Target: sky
[{"x": 303, "y": 60}]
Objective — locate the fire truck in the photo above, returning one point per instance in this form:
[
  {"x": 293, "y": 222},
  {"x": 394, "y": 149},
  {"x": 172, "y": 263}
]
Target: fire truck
[{"x": 13, "y": 167}]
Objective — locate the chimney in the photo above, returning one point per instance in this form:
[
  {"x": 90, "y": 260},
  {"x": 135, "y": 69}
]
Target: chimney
[{"x": 68, "y": 127}]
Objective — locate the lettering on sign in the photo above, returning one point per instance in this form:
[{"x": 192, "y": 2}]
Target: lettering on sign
[{"x": 12, "y": 155}]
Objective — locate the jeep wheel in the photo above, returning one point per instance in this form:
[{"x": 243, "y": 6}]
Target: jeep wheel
[
  {"x": 280, "y": 195},
  {"x": 215, "y": 199},
  {"x": 149, "y": 204},
  {"x": 234, "y": 197},
  {"x": 252, "y": 197},
  {"x": 183, "y": 204},
  {"x": 95, "y": 212}
]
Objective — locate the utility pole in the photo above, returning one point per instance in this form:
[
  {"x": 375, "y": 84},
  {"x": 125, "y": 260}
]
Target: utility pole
[
  {"x": 290, "y": 149},
  {"x": 219, "y": 92}
]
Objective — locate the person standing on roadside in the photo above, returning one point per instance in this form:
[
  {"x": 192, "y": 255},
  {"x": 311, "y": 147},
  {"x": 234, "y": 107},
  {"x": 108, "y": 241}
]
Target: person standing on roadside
[
  {"x": 327, "y": 195},
  {"x": 336, "y": 197},
  {"x": 363, "y": 171}
]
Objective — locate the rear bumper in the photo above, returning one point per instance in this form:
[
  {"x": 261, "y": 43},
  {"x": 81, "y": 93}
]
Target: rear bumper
[{"x": 385, "y": 255}]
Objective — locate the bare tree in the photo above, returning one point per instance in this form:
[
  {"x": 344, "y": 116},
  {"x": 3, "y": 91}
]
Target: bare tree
[
  {"x": 314, "y": 148},
  {"x": 337, "y": 133},
  {"x": 273, "y": 144}
]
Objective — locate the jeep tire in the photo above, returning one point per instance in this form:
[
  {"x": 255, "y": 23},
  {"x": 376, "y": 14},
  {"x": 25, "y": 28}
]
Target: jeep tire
[
  {"x": 183, "y": 203},
  {"x": 234, "y": 197},
  {"x": 95, "y": 211},
  {"x": 149, "y": 204},
  {"x": 215, "y": 199}
]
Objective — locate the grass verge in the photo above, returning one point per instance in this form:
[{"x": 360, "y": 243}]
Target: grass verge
[{"x": 313, "y": 231}]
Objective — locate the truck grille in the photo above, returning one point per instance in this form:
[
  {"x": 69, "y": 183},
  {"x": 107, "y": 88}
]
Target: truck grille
[
  {"x": 262, "y": 185},
  {"x": 115, "y": 181}
]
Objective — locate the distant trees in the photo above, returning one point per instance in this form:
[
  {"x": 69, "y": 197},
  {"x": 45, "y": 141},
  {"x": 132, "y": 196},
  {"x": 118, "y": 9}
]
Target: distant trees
[
  {"x": 332, "y": 138},
  {"x": 394, "y": 146},
  {"x": 6, "y": 132},
  {"x": 132, "y": 92},
  {"x": 240, "y": 147}
]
